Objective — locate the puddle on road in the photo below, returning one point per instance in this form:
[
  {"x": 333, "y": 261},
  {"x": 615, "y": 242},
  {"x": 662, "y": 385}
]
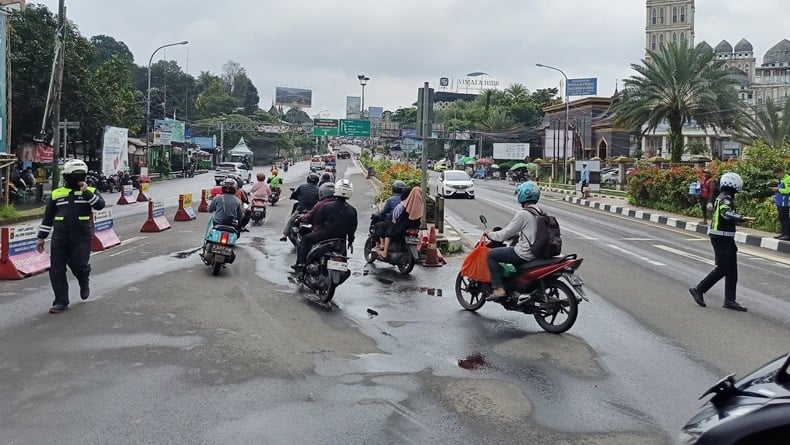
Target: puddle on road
[{"x": 473, "y": 362}]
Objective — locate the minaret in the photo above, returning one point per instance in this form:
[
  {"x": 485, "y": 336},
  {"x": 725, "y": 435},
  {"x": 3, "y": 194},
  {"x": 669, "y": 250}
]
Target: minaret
[{"x": 669, "y": 21}]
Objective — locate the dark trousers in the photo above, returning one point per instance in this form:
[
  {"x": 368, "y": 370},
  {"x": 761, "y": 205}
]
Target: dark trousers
[
  {"x": 77, "y": 255},
  {"x": 307, "y": 243},
  {"x": 703, "y": 204},
  {"x": 501, "y": 255},
  {"x": 245, "y": 218},
  {"x": 784, "y": 219},
  {"x": 726, "y": 257}
]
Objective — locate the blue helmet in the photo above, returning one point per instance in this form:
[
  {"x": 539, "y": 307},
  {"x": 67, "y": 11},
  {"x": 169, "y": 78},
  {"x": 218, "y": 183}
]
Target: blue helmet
[{"x": 528, "y": 192}]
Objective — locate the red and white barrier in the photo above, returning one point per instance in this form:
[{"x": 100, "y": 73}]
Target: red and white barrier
[
  {"x": 205, "y": 195},
  {"x": 127, "y": 195},
  {"x": 142, "y": 194},
  {"x": 156, "y": 218},
  {"x": 104, "y": 235},
  {"x": 185, "y": 211},
  {"x": 18, "y": 255}
]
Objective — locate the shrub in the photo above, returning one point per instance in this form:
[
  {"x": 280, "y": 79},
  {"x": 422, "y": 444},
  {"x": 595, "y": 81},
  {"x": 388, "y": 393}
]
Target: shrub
[{"x": 8, "y": 212}]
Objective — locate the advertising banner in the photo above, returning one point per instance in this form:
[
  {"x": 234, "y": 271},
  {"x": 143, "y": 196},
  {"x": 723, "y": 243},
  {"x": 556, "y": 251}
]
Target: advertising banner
[
  {"x": 353, "y": 107},
  {"x": 293, "y": 97},
  {"x": 115, "y": 150},
  {"x": 511, "y": 151},
  {"x": 19, "y": 257},
  {"x": 409, "y": 133},
  {"x": 375, "y": 112},
  {"x": 162, "y": 132},
  {"x": 176, "y": 130}
]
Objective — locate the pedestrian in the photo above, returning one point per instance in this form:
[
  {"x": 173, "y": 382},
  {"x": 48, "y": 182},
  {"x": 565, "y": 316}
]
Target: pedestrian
[
  {"x": 782, "y": 199},
  {"x": 68, "y": 218},
  {"x": 722, "y": 237},
  {"x": 706, "y": 195},
  {"x": 585, "y": 180}
]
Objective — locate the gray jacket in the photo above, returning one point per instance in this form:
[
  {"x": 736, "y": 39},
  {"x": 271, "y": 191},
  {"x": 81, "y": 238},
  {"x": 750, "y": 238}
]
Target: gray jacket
[
  {"x": 227, "y": 210},
  {"x": 523, "y": 225}
]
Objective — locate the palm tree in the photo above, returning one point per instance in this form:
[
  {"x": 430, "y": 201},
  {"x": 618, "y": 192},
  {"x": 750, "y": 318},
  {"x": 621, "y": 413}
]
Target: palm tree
[
  {"x": 497, "y": 121},
  {"x": 678, "y": 84},
  {"x": 516, "y": 92},
  {"x": 769, "y": 123}
]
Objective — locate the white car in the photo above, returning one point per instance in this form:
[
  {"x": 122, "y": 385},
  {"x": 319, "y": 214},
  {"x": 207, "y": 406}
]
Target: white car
[
  {"x": 455, "y": 183},
  {"x": 234, "y": 169}
]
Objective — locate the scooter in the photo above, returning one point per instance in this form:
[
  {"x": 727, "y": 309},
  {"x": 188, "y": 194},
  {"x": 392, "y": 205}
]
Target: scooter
[
  {"x": 326, "y": 268},
  {"x": 218, "y": 246},
  {"x": 258, "y": 211},
  {"x": 548, "y": 289},
  {"x": 402, "y": 252},
  {"x": 753, "y": 410}
]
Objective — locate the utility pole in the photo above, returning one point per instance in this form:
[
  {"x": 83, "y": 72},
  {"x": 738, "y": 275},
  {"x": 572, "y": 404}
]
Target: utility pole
[
  {"x": 426, "y": 133},
  {"x": 58, "y": 90}
]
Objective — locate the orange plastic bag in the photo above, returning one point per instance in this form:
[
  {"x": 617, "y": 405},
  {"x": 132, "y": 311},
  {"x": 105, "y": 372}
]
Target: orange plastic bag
[{"x": 475, "y": 265}]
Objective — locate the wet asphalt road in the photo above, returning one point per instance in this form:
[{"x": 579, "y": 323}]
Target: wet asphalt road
[{"x": 165, "y": 353}]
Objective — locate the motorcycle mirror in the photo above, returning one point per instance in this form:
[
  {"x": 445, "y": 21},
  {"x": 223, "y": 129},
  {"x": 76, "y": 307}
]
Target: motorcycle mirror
[{"x": 483, "y": 220}]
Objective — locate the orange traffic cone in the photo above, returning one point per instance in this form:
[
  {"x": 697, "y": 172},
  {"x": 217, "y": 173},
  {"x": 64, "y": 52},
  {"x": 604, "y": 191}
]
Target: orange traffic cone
[{"x": 432, "y": 253}]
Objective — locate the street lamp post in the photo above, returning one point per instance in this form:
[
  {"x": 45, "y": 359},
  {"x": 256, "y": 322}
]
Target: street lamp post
[
  {"x": 148, "y": 102},
  {"x": 565, "y": 134},
  {"x": 363, "y": 80}
]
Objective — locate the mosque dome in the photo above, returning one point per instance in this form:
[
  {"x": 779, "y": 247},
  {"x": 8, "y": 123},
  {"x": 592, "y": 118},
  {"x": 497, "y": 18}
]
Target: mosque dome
[
  {"x": 724, "y": 47},
  {"x": 779, "y": 53}
]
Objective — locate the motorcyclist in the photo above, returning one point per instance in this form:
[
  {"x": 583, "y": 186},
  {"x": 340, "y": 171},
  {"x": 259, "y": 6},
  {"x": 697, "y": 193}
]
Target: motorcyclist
[
  {"x": 227, "y": 207},
  {"x": 407, "y": 215},
  {"x": 275, "y": 181},
  {"x": 326, "y": 193},
  {"x": 306, "y": 195},
  {"x": 260, "y": 190},
  {"x": 245, "y": 200},
  {"x": 523, "y": 224},
  {"x": 335, "y": 219},
  {"x": 326, "y": 178},
  {"x": 382, "y": 219}
]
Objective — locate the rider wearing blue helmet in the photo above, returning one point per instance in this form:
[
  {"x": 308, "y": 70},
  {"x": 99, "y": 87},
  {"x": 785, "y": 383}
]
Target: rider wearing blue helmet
[{"x": 522, "y": 225}]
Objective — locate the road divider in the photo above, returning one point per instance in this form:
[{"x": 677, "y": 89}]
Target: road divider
[
  {"x": 185, "y": 211},
  {"x": 156, "y": 217},
  {"x": 142, "y": 193},
  {"x": 205, "y": 195},
  {"x": 19, "y": 257},
  {"x": 104, "y": 236},
  {"x": 127, "y": 195}
]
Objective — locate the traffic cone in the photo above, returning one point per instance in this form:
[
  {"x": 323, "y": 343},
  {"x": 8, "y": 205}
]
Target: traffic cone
[{"x": 432, "y": 253}]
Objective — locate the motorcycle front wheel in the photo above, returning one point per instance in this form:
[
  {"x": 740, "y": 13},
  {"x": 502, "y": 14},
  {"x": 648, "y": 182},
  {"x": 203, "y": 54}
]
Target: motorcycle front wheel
[
  {"x": 562, "y": 308},
  {"x": 370, "y": 256},
  {"x": 470, "y": 294}
]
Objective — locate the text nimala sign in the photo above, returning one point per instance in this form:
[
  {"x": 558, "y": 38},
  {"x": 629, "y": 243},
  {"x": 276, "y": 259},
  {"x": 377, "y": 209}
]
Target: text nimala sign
[
  {"x": 511, "y": 151},
  {"x": 115, "y": 150}
]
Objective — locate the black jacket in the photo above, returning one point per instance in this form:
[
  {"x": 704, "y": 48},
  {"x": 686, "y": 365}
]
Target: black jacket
[
  {"x": 337, "y": 219},
  {"x": 69, "y": 213},
  {"x": 307, "y": 195}
]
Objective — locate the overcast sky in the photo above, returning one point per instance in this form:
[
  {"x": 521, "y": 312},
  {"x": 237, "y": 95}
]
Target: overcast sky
[{"x": 324, "y": 44}]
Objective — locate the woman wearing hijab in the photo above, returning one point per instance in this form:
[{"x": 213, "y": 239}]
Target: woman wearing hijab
[{"x": 406, "y": 216}]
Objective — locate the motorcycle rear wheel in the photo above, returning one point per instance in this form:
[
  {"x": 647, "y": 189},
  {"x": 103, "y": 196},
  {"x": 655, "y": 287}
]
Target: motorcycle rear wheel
[
  {"x": 474, "y": 290},
  {"x": 562, "y": 301},
  {"x": 215, "y": 268},
  {"x": 407, "y": 266},
  {"x": 327, "y": 292}
]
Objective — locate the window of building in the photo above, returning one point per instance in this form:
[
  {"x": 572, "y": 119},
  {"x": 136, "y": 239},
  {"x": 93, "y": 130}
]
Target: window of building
[
  {"x": 653, "y": 42},
  {"x": 746, "y": 68},
  {"x": 653, "y": 19},
  {"x": 682, "y": 36},
  {"x": 740, "y": 67},
  {"x": 682, "y": 14},
  {"x": 675, "y": 14},
  {"x": 661, "y": 39},
  {"x": 661, "y": 16},
  {"x": 674, "y": 37}
]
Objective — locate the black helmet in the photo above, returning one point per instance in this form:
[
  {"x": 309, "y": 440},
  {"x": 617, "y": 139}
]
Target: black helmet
[
  {"x": 229, "y": 186},
  {"x": 313, "y": 178},
  {"x": 397, "y": 187},
  {"x": 326, "y": 177}
]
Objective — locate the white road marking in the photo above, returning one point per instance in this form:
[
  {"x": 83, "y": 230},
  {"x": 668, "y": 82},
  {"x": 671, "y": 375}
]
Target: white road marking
[
  {"x": 124, "y": 243},
  {"x": 579, "y": 234},
  {"x": 637, "y": 239},
  {"x": 628, "y": 252},
  {"x": 564, "y": 229},
  {"x": 685, "y": 254}
]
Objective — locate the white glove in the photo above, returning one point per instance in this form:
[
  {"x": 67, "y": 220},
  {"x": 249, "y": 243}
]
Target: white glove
[{"x": 710, "y": 206}]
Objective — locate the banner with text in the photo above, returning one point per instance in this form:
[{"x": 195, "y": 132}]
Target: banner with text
[
  {"x": 115, "y": 150},
  {"x": 511, "y": 151}
]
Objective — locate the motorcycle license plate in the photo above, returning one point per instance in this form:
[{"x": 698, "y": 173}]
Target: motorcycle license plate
[
  {"x": 337, "y": 265},
  {"x": 222, "y": 250},
  {"x": 412, "y": 240}
]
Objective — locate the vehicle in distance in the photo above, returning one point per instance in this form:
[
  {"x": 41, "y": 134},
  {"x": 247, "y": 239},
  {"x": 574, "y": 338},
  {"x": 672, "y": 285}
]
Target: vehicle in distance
[
  {"x": 455, "y": 183},
  {"x": 235, "y": 169}
]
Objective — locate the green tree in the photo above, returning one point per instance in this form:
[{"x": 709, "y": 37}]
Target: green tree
[
  {"x": 214, "y": 100},
  {"x": 109, "y": 47},
  {"x": 769, "y": 123},
  {"x": 679, "y": 84},
  {"x": 245, "y": 93},
  {"x": 407, "y": 117},
  {"x": 516, "y": 92}
]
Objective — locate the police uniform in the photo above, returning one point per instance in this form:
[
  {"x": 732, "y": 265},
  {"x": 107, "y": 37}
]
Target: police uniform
[{"x": 68, "y": 218}]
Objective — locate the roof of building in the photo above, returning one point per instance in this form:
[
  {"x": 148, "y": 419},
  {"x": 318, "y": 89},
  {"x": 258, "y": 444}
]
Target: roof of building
[
  {"x": 449, "y": 96},
  {"x": 779, "y": 53},
  {"x": 739, "y": 76},
  {"x": 706, "y": 45},
  {"x": 723, "y": 47},
  {"x": 744, "y": 46}
]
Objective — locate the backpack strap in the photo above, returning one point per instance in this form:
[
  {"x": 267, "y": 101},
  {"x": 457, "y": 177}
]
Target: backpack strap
[{"x": 536, "y": 213}]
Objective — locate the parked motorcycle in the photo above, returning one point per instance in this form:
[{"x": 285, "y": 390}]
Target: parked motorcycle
[
  {"x": 275, "y": 196},
  {"x": 326, "y": 268},
  {"x": 402, "y": 252},
  {"x": 258, "y": 211},
  {"x": 753, "y": 410},
  {"x": 548, "y": 289},
  {"x": 218, "y": 246}
]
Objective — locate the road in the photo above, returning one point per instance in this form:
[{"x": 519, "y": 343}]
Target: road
[{"x": 163, "y": 352}]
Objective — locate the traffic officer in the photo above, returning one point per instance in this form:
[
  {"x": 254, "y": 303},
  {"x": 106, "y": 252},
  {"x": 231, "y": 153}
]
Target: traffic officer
[
  {"x": 68, "y": 213},
  {"x": 722, "y": 237}
]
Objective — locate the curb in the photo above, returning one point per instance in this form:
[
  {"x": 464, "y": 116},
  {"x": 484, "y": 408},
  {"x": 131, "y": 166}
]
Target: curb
[
  {"x": 740, "y": 237},
  {"x": 594, "y": 195}
]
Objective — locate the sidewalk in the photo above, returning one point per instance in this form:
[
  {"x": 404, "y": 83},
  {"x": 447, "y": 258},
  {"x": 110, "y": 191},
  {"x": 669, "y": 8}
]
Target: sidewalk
[{"x": 620, "y": 206}]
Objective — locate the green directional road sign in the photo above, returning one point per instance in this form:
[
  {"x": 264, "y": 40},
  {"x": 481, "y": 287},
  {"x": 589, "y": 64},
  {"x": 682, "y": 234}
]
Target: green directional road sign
[
  {"x": 354, "y": 128},
  {"x": 325, "y": 127}
]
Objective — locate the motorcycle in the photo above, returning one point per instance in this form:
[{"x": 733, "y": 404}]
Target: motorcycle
[
  {"x": 275, "y": 196},
  {"x": 326, "y": 268},
  {"x": 548, "y": 289},
  {"x": 258, "y": 211},
  {"x": 218, "y": 246},
  {"x": 755, "y": 409},
  {"x": 298, "y": 230},
  {"x": 402, "y": 252}
]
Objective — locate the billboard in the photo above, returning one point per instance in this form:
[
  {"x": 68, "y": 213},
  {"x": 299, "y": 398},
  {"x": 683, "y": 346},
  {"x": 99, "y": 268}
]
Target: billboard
[
  {"x": 513, "y": 151},
  {"x": 176, "y": 130},
  {"x": 582, "y": 87},
  {"x": 375, "y": 112},
  {"x": 293, "y": 97},
  {"x": 115, "y": 150},
  {"x": 353, "y": 107}
]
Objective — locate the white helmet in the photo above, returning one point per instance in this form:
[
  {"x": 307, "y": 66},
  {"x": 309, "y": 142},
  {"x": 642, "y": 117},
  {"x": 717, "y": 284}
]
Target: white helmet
[
  {"x": 75, "y": 166},
  {"x": 731, "y": 180},
  {"x": 344, "y": 189}
]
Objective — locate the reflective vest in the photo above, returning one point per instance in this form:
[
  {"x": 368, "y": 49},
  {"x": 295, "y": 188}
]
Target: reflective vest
[
  {"x": 720, "y": 226},
  {"x": 69, "y": 212}
]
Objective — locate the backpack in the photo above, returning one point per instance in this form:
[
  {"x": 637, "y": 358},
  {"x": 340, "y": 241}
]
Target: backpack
[{"x": 548, "y": 241}]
